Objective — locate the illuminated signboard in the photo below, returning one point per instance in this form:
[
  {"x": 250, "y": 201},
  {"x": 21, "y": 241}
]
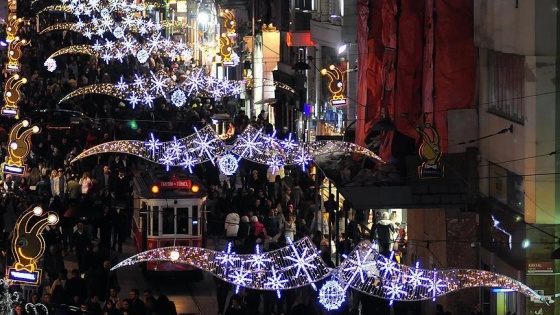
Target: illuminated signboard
[
  {"x": 337, "y": 85},
  {"x": 175, "y": 183},
  {"x": 430, "y": 152},
  {"x": 28, "y": 244}
]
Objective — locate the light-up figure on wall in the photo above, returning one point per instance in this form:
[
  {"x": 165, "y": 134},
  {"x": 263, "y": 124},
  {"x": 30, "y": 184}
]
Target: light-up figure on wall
[
  {"x": 14, "y": 53},
  {"x": 337, "y": 85},
  {"x": 12, "y": 26},
  {"x": 28, "y": 244},
  {"x": 12, "y": 94},
  {"x": 19, "y": 146},
  {"x": 229, "y": 22}
]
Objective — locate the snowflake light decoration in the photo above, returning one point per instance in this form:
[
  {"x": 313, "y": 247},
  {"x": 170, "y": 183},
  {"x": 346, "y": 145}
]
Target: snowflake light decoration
[
  {"x": 121, "y": 86},
  {"x": 178, "y": 98},
  {"x": 240, "y": 278},
  {"x": 153, "y": 145},
  {"x": 303, "y": 158},
  {"x": 415, "y": 277},
  {"x": 195, "y": 81},
  {"x": 133, "y": 99},
  {"x": 275, "y": 281},
  {"x": 188, "y": 161},
  {"x": 332, "y": 295},
  {"x": 176, "y": 147},
  {"x": 259, "y": 261},
  {"x": 203, "y": 145},
  {"x": 289, "y": 144},
  {"x": 228, "y": 258},
  {"x": 228, "y": 164},
  {"x": 249, "y": 144},
  {"x": 387, "y": 267},
  {"x": 275, "y": 163},
  {"x": 159, "y": 83},
  {"x": 358, "y": 266},
  {"x": 394, "y": 291},
  {"x": 50, "y": 64},
  {"x": 304, "y": 262},
  {"x": 435, "y": 285},
  {"x": 167, "y": 159}
]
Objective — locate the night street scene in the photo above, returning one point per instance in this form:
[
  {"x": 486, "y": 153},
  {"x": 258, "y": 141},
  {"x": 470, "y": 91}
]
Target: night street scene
[{"x": 279, "y": 157}]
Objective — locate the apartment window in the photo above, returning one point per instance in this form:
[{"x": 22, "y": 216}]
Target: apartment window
[
  {"x": 506, "y": 78},
  {"x": 506, "y": 187}
]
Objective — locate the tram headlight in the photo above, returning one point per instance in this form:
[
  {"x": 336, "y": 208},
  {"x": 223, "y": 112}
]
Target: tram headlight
[
  {"x": 195, "y": 188},
  {"x": 155, "y": 189}
]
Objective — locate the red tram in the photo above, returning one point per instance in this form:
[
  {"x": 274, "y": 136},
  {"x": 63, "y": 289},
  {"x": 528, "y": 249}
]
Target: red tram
[{"x": 168, "y": 211}]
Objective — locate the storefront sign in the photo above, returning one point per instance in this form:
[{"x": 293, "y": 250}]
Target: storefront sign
[{"x": 540, "y": 267}]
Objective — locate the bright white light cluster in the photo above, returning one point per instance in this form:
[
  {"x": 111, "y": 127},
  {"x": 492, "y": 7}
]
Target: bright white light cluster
[
  {"x": 205, "y": 145},
  {"x": 332, "y": 295},
  {"x": 144, "y": 90},
  {"x": 109, "y": 50},
  {"x": 50, "y": 64},
  {"x": 300, "y": 264},
  {"x": 228, "y": 164}
]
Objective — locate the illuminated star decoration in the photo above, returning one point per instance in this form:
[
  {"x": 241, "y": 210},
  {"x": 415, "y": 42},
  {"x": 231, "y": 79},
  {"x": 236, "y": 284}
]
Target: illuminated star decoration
[
  {"x": 228, "y": 164},
  {"x": 259, "y": 261},
  {"x": 303, "y": 158},
  {"x": 275, "y": 282},
  {"x": 332, "y": 295},
  {"x": 204, "y": 145},
  {"x": 279, "y": 273},
  {"x": 303, "y": 261},
  {"x": 496, "y": 225},
  {"x": 275, "y": 164},
  {"x": 240, "y": 278},
  {"x": 153, "y": 144},
  {"x": 188, "y": 161},
  {"x": 227, "y": 258},
  {"x": 387, "y": 266},
  {"x": 248, "y": 144}
]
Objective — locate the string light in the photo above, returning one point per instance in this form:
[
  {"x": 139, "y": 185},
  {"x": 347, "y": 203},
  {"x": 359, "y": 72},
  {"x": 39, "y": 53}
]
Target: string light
[
  {"x": 146, "y": 89},
  {"x": 205, "y": 145},
  {"x": 289, "y": 267}
]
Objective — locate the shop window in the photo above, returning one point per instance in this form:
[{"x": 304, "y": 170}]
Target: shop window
[{"x": 506, "y": 86}]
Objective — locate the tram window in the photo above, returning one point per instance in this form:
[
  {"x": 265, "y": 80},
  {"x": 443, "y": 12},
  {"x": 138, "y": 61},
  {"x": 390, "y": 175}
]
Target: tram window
[
  {"x": 182, "y": 220},
  {"x": 155, "y": 221},
  {"x": 194, "y": 220},
  {"x": 168, "y": 226}
]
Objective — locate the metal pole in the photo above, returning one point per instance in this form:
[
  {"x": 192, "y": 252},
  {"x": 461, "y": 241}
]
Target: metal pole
[
  {"x": 337, "y": 226},
  {"x": 252, "y": 99},
  {"x": 348, "y": 86}
]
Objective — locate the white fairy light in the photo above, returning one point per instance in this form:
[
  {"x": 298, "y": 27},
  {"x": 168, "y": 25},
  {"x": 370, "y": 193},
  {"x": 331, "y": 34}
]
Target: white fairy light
[
  {"x": 249, "y": 144},
  {"x": 240, "y": 278},
  {"x": 176, "y": 147},
  {"x": 50, "y": 64},
  {"x": 387, "y": 267},
  {"x": 275, "y": 164},
  {"x": 228, "y": 164},
  {"x": 178, "y": 98},
  {"x": 435, "y": 285},
  {"x": 303, "y": 158},
  {"x": 394, "y": 291},
  {"x": 227, "y": 258},
  {"x": 148, "y": 99},
  {"x": 118, "y": 32},
  {"x": 332, "y": 295},
  {"x": 142, "y": 56},
  {"x": 259, "y": 261},
  {"x": 153, "y": 144},
  {"x": 139, "y": 82},
  {"x": 194, "y": 82}
]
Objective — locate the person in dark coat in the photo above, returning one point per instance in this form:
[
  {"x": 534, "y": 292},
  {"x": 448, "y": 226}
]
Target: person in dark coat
[
  {"x": 165, "y": 306},
  {"x": 137, "y": 306},
  {"x": 81, "y": 240},
  {"x": 234, "y": 307}
]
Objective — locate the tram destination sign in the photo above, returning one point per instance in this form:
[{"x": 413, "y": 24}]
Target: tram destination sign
[{"x": 175, "y": 183}]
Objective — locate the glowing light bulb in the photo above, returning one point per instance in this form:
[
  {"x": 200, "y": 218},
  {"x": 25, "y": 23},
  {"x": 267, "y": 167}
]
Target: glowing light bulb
[
  {"x": 174, "y": 255},
  {"x": 37, "y": 210}
]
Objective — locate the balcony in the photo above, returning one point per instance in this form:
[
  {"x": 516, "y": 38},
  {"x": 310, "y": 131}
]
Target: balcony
[{"x": 370, "y": 186}]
